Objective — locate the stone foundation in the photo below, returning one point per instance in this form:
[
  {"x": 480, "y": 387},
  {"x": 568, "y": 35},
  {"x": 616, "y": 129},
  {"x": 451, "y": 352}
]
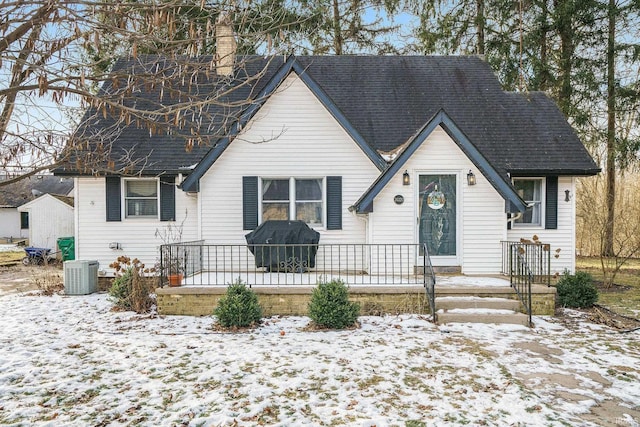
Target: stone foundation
[
  {"x": 374, "y": 300},
  {"x": 292, "y": 300}
]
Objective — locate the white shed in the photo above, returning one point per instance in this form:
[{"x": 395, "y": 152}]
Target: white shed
[
  {"x": 12, "y": 225},
  {"x": 50, "y": 217}
]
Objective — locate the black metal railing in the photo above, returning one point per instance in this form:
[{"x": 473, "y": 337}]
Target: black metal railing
[
  {"x": 180, "y": 259},
  {"x": 521, "y": 278},
  {"x": 296, "y": 264},
  {"x": 429, "y": 282},
  {"x": 536, "y": 255}
]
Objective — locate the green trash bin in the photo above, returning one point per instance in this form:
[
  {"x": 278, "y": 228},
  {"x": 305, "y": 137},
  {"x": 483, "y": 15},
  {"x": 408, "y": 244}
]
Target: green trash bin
[{"x": 67, "y": 246}]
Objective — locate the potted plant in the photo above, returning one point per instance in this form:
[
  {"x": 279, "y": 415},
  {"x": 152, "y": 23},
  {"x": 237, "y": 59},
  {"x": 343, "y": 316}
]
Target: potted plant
[
  {"x": 173, "y": 259},
  {"x": 175, "y": 271}
]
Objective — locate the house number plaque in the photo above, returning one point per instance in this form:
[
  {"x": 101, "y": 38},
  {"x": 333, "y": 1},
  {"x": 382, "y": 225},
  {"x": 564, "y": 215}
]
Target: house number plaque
[{"x": 399, "y": 199}]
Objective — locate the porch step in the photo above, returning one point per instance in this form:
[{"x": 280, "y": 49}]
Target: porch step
[
  {"x": 477, "y": 309},
  {"x": 483, "y": 317},
  {"x": 449, "y": 303}
]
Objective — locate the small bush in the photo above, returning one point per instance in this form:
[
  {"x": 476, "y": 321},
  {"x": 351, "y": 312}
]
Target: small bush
[
  {"x": 577, "y": 290},
  {"x": 130, "y": 290},
  {"x": 330, "y": 306},
  {"x": 239, "y": 307}
]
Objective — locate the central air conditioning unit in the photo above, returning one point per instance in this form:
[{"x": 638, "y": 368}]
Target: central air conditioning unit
[{"x": 80, "y": 277}]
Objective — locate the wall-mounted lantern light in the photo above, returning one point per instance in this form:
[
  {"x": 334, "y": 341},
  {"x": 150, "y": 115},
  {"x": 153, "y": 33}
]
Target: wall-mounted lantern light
[
  {"x": 471, "y": 178},
  {"x": 567, "y": 195},
  {"x": 405, "y": 178}
]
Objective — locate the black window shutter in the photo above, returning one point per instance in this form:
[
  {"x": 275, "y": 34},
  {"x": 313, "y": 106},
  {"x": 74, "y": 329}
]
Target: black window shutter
[
  {"x": 249, "y": 202},
  {"x": 334, "y": 203},
  {"x": 551, "y": 200},
  {"x": 167, "y": 198},
  {"x": 114, "y": 198}
]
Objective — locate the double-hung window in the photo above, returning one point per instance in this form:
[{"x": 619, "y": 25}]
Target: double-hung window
[
  {"x": 308, "y": 205},
  {"x": 150, "y": 198},
  {"x": 531, "y": 190},
  {"x": 275, "y": 199},
  {"x": 293, "y": 198},
  {"x": 141, "y": 198}
]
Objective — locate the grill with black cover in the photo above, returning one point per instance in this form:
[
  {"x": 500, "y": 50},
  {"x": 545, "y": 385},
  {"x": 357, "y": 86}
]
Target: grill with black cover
[{"x": 284, "y": 246}]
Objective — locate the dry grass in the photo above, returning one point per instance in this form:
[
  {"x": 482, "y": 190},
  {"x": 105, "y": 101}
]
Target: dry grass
[
  {"x": 50, "y": 282},
  {"x": 11, "y": 257},
  {"x": 624, "y": 296}
]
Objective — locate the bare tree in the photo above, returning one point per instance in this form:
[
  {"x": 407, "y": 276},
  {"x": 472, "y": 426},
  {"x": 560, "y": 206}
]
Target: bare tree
[
  {"x": 58, "y": 72},
  {"x": 592, "y": 222}
]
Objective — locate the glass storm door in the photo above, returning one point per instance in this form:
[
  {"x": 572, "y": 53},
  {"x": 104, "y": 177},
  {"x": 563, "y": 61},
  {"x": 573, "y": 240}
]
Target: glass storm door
[{"x": 437, "y": 214}]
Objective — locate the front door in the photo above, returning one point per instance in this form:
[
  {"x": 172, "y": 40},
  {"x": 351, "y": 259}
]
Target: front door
[{"x": 437, "y": 217}]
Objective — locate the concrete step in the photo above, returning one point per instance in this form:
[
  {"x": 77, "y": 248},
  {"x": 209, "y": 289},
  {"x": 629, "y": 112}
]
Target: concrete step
[
  {"x": 463, "y": 302},
  {"x": 471, "y": 316}
]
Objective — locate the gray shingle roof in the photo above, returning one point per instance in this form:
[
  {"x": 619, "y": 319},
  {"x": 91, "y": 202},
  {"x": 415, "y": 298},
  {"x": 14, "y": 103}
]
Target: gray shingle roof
[
  {"x": 388, "y": 99},
  {"x": 164, "y": 153}
]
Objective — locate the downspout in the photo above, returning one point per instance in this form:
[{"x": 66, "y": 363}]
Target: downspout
[
  {"x": 519, "y": 214},
  {"x": 515, "y": 218},
  {"x": 365, "y": 219}
]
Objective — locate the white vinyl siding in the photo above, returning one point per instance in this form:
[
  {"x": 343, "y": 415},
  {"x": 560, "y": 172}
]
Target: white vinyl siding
[
  {"x": 563, "y": 237},
  {"x": 137, "y": 238},
  {"x": 481, "y": 218},
  {"x": 300, "y": 139}
]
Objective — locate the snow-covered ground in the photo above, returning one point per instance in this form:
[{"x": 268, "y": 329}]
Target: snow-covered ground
[{"x": 70, "y": 361}]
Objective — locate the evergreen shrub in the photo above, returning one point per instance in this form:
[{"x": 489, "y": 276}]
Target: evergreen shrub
[
  {"x": 330, "y": 306},
  {"x": 239, "y": 307},
  {"x": 577, "y": 290}
]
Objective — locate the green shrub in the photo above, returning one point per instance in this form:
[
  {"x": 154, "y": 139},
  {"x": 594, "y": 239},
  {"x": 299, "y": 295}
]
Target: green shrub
[
  {"x": 330, "y": 306},
  {"x": 120, "y": 290},
  {"x": 239, "y": 307},
  {"x": 577, "y": 290}
]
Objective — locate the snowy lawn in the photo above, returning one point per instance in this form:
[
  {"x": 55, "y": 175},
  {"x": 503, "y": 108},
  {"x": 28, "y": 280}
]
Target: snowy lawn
[{"x": 72, "y": 361}]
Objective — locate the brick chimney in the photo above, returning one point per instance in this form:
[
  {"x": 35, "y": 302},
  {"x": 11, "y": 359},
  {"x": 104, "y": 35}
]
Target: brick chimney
[{"x": 225, "y": 45}]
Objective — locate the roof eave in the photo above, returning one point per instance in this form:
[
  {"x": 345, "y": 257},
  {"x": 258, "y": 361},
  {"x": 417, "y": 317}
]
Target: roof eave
[
  {"x": 337, "y": 114},
  {"x": 441, "y": 118},
  {"x": 555, "y": 172},
  {"x": 290, "y": 65},
  {"x": 191, "y": 183}
]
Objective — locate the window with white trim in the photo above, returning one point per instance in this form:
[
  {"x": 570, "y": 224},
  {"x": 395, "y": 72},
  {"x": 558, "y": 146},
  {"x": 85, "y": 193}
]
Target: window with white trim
[
  {"x": 141, "y": 198},
  {"x": 531, "y": 190},
  {"x": 293, "y": 198}
]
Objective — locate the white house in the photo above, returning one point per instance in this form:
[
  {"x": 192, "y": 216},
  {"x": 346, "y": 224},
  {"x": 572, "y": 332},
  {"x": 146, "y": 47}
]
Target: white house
[
  {"x": 376, "y": 149},
  {"x": 50, "y": 217}
]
